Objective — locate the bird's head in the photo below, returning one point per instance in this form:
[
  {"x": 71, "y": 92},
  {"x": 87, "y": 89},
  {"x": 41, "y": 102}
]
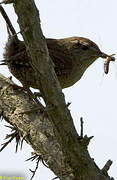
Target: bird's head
[{"x": 86, "y": 51}]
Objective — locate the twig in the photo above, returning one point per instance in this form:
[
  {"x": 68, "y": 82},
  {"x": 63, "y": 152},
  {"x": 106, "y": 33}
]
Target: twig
[
  {"x": 55, "y": 178},
  {"x": 37, "y": 164},
  {"x": 107, "y": 167},
  {"x": 5, "y": 144},
  {"x": 37, "y": 157},
  {"x": 86, "y": 140},
  {"x": 33, "y": 157},
  {"x": 16, "y": 135},
  {"x": 8, "y": 22},
  {"x": 43, "y": 162},
  {"x": 68, "y": 104},
  {"x": 81, "y": 122}
]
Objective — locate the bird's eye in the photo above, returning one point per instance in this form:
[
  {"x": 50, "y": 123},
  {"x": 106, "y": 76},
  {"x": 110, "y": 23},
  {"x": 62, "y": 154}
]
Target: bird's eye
[{"x": 85, "y": 47}]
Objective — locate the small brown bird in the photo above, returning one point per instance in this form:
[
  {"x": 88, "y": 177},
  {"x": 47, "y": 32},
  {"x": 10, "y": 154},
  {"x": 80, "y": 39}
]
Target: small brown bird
[{"x": 71, "y": 57}]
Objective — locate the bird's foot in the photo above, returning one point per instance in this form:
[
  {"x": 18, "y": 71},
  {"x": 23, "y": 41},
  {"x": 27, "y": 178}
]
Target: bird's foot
[
  {"x": 34, "y": 98},
  {"x": 37, "y": 95},
  {"x": 17, "y": 87}
]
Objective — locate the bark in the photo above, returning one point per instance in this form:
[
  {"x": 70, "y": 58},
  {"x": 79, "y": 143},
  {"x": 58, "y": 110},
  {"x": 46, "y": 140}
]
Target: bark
[{"x": 53, "y": 137}]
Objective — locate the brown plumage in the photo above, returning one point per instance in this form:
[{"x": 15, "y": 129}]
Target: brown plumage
[{"x": 71, "y": 57}]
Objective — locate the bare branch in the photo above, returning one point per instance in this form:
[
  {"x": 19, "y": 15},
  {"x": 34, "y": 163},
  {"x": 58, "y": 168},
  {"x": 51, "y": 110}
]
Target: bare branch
[
  {"x": 8, "y": 22},
  {"x": 107, "y": 167},
  {"x": 81, "y": 121}
]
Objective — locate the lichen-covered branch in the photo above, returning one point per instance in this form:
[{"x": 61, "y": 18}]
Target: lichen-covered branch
[
  {"x": 20, "y": 111},
  {"x": 17, "y": 109}
]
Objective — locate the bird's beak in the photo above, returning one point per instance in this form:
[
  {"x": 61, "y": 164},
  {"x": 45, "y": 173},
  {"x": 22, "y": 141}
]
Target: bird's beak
[{"x": 104, "y": 56}]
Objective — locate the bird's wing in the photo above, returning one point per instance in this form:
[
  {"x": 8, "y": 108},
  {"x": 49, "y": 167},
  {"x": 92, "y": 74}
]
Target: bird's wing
[{"x": 60, "y": 57}]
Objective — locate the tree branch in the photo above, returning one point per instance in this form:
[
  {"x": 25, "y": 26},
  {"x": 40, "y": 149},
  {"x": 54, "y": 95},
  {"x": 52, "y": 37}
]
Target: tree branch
[
  {"x": 36, "y": 129},
  {"x": 18, "y": 110}
]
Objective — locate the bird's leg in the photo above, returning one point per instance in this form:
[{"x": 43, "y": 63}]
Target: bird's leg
[
  {"x": 32, "y": 96},
  {"x": 37, "y": 94},
  {"x": 40, "y": 107},
  {"x": 15, "y": 87}
]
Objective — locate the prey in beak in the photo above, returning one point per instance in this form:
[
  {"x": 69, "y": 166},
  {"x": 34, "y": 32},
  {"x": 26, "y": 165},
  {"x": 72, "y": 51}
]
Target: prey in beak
[{"x": 108, "y": 58}]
